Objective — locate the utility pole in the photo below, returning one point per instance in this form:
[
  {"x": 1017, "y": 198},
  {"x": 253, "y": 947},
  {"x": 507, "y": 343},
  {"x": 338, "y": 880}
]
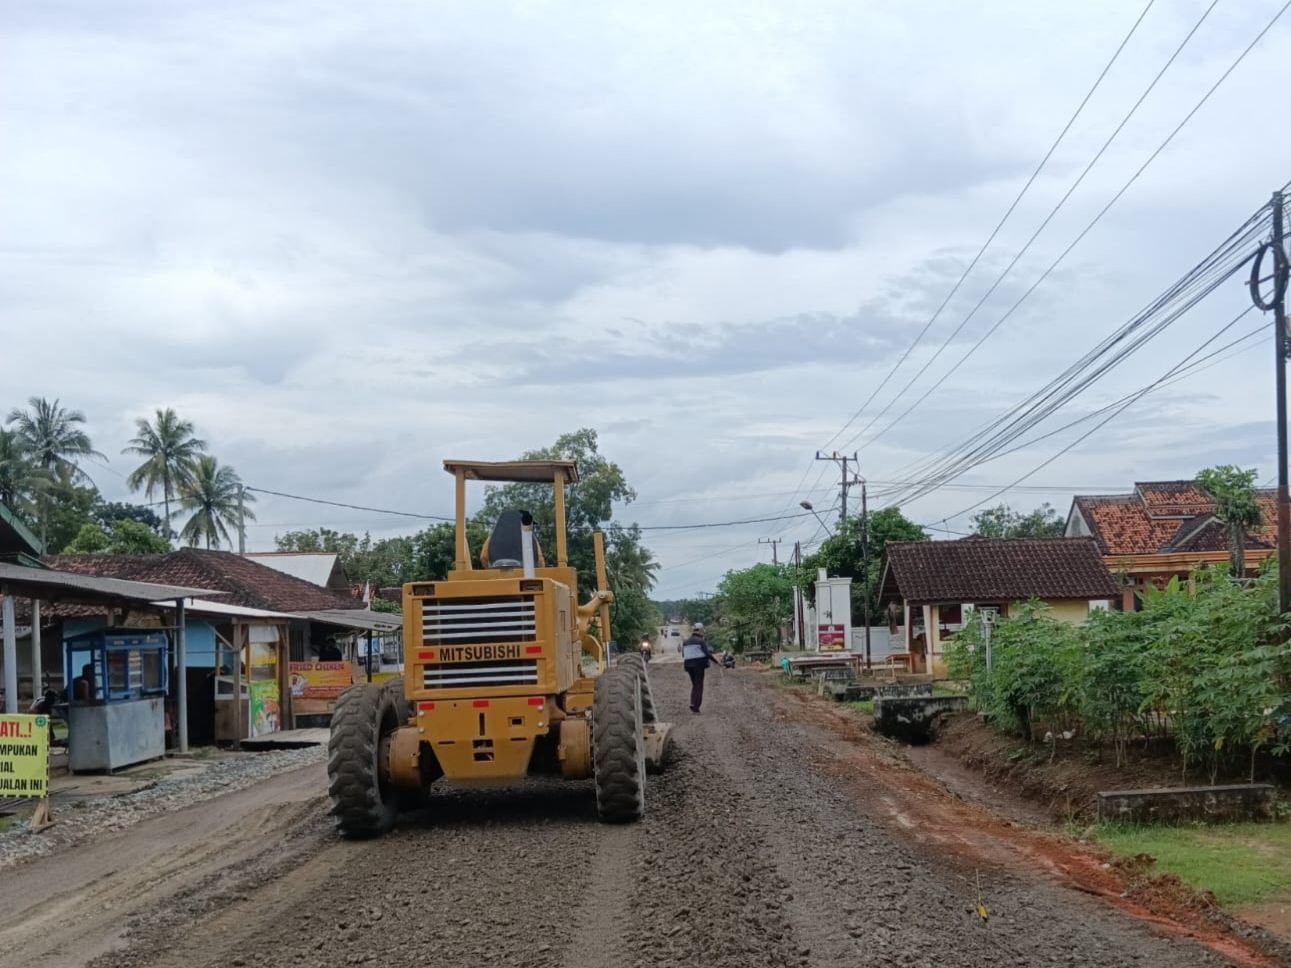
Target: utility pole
[
  {"x": 772, "y": 542},
  {"x": 1279, "y": 277},
  {"x": 842, "y": 460},
  {"x": 865, "y": 563},
  {"x": 242, "y": 520},
  {"x": 798, "y": 596}
]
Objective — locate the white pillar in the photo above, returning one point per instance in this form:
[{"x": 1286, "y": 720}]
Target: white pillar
[
  {"x": 10, "y": 655},
  {"x": 928, "y": 634},
  {"x": 37, "y": 672},
  {"x": 181, "y": 673}
]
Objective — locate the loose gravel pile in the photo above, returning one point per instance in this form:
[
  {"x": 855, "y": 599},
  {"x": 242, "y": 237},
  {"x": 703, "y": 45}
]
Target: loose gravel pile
[{"x": 96, "y": 816}]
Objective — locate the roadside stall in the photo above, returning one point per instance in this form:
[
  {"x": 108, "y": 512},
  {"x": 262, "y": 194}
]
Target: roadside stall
[{"x": 117, "y": 697}]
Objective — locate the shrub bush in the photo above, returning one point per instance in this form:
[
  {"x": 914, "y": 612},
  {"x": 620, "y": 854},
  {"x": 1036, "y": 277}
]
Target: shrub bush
[{"x": 1201, "y": 664}]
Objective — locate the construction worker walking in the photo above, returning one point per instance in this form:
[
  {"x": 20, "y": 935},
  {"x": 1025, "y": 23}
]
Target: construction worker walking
[{"x": 696, "y": 655}]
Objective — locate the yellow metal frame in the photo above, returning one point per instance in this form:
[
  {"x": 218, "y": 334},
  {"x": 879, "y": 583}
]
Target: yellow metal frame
[{"x": 489, "y": 733}]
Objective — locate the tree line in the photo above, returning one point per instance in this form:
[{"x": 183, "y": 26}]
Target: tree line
[
  {"x": 428, "y": 555},
  {"x": 44, "y": 448},
  {"x": 754, "y": 605}
]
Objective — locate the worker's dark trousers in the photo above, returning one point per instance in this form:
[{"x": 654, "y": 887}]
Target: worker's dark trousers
[{"x": 695, "y": 668}]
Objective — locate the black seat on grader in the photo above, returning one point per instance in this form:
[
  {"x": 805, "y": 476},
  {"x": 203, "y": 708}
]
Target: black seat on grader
[{"x": 506, "y": 543}]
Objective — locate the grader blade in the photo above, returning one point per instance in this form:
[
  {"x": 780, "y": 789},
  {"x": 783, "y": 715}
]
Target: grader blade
[{"x": 657, "y": 737}]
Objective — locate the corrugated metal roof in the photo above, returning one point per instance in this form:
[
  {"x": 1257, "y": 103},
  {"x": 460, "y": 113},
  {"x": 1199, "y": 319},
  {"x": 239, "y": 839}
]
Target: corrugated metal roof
[
  {"x": 50, "y": 585},
  {"x": 196, "y": 606},
  {"x": 314, "y": 567},
  {"x": 354, "y": 619}
]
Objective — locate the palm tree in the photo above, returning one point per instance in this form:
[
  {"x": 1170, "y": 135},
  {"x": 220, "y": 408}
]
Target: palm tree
[
  {"x": 169, "y": 449},
  {"x": 53, "y": 438},
  {"x": 217, "y": 499},
  {"x": 52, "y": 435},
  {"x": 22, "y": 482}
]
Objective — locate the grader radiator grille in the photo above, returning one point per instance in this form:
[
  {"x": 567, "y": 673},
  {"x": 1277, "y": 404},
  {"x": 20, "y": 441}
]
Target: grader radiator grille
[
  {"x": 464, "y": 621},
  {"x": 456, "y": 675}
]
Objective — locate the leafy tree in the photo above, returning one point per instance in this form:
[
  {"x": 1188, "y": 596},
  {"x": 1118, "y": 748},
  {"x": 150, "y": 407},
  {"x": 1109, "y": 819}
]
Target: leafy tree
[
  {"x": 757, "y": 600},
  {"x": 630, "y": 569},
  {"x": 344, "y": 544},
  {"x": 434, "y": 549},
  {"x": 841, "y": 556},
  {"x": 1233, "y": 491},
  {"x": 588, "y": 504},
  {"x": 1003, "y": 522},
  {"x": 68, "y": 506},
  {"x": 108, "y": 512},
  {"x": 381, "y": 605},
  {"x": 212, "y": 495},
  {"x": 22, "y": 480},
  {"x": 126, "y": 537},
  {"x": 169, "y": 450},
  {"x": 53, "y": 438}
]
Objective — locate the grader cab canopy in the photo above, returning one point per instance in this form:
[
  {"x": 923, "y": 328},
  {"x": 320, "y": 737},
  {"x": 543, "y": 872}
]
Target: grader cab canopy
[{"x": 557, "y": 473}]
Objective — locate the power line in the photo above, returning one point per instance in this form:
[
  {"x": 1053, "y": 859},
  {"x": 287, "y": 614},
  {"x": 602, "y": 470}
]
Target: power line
[
  {"x": 980, "y": 252},
  {"x": 352, "y": 507},
  {"x": 436, "y": 517},
  {"x": 1194, "y": 286},
  {"x": 1098, "y": 426},
  {"x": 719, "y": 524},
  {"x": 1206, "y": 362},
  {"x": 998, "y": 226},
  {"x": 1097, "y": 218}
]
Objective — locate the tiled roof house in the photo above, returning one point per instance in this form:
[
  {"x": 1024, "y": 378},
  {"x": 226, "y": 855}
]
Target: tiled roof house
[
  {"x": 929, "y": 583},
  {"x": 1163, "y": 529},
  {"x": 245, "y": 582}
]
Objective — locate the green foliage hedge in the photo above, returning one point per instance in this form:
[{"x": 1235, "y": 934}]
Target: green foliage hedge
[{"x": 1200, "y": 667}]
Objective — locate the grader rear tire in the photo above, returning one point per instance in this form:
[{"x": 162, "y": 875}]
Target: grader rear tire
[
  {"x": 618, "y": 747},
  {"x": 634, "y": 661},
  {"x": 364, "y": 805}
]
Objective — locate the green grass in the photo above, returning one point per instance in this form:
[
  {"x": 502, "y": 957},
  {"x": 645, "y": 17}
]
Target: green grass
[
  {"x": 1241, "y": 863},
  {"x": 863, "y": 706}
]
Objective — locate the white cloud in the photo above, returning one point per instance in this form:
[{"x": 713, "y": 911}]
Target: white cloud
[{"x": 352, "y": 240}]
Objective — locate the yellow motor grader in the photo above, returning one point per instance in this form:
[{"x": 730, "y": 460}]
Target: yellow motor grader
[{"x": 505, "y": 675}]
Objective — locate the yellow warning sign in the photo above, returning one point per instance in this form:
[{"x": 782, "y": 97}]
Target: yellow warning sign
[{"x": 24, "y": 756}]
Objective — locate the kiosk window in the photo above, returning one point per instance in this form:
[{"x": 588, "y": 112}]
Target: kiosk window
[
  {"x": 118, "y": 673},
  {"x": 152, "y": 671}
]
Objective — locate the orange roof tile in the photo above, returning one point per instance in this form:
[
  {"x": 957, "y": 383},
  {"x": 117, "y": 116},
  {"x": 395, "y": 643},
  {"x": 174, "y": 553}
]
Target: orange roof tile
[{"x": 1160, "y": 513}]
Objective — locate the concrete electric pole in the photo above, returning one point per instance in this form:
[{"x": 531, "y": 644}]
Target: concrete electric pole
[
  {"x": 842, "y": 460},
  {"x": 775, "y": 560},
  {"x": 1277, "y": 303}
]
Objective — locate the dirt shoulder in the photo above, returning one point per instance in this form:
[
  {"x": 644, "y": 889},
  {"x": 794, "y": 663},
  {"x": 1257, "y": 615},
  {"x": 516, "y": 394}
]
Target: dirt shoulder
[
  {"x": 990, "y": 820},
  {"x": 70, "y": 907}
]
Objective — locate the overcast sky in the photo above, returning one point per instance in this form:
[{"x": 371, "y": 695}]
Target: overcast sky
[{"x": 350, "y": 240}]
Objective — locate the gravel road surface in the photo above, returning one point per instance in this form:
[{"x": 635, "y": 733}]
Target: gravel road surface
[{"x": 756, "y": 852}]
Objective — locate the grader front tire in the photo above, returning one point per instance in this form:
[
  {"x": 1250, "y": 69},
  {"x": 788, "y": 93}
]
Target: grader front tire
[
  {"x": 618, "y": 747},
  {"x": 364, "y": 805},
  {"x": 634, "y": 661}
]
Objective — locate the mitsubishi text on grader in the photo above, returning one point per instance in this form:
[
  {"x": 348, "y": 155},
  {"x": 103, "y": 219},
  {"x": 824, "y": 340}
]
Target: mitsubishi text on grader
[{"x": 505, "y": 675}]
